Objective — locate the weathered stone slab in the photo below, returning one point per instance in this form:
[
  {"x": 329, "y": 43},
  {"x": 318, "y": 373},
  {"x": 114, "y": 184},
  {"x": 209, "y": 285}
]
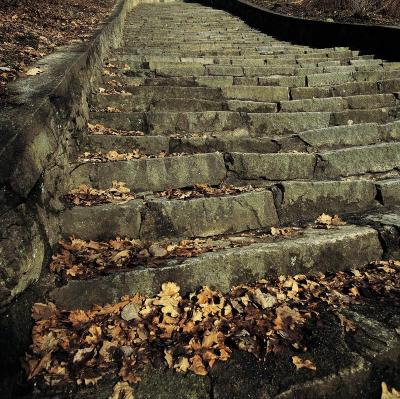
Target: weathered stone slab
[
  {"x": 335, "y": 249},
  {"x": 342, "y": 136},
  {"x": 251, "y": 106},
  {"x": 272, "y": 167},
  {"x": 214, "y": 81},
  {"x": 329, "y": 79},
  {"x": 224, "y": 70},
  {"x": 153, "y": 174},
  {"x": 120, "y": 120},
  {"x": 332, "y": 104},
  {"x": 371, "y": 101},
  {"x": 287, "y": 123},
  {"x": 298, "y": 93},
  {"x": 194, "y": 122},
  {"x": 305, "y": 201},
  {"x": 256, "y": 93},
  {"x": 390, "y": 131},
  {"x": 379, "y": 115},
  {"x": 203, "y": 217},
  {"x": 359, "y": 160},
  {"x": 103, "y": 222},
  {"x": 288, "y": 81},
  {"x": 389, "y": 191},
  {"x": 225, "y": 144}
]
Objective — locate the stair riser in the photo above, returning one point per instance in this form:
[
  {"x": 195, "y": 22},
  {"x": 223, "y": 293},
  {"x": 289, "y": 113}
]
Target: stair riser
[{"x": 222, "y": 270}]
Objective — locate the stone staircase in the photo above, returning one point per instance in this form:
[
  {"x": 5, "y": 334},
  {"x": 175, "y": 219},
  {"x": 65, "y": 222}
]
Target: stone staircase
[{"x": 311, "y": 130}]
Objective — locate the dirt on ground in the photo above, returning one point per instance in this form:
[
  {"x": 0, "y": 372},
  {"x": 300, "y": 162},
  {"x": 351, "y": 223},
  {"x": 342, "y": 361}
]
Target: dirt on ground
[
  {"x": 380, "y": 12},
  {"x": 31, "y": 29}
]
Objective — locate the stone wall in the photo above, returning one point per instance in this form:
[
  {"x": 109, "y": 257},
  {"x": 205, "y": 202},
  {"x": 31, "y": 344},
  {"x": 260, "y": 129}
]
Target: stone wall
[{"x": 40, "y": 129}]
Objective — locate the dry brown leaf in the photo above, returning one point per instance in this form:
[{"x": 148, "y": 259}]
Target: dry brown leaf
[
  {"x": 347, "y": 324},
  {"x": 389, "y": 393},
  {"x": 327, "y": 221},
  {"x": 284, "y": 231},
  {"x": 197, "y": 365},
  {"x": 34, "y": 71},
  {"x": 122, "y": 390},
  {"x": 303, "y": 364},
  {"x": 182, "y": 366}
]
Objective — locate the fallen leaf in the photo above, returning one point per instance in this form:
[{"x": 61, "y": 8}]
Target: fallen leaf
[
  {"x": 122, "y": 390},
  {"x": 34, "y": 71},
  {"x": 303, "y": 364},
  {"x": 389, "y": 394}
]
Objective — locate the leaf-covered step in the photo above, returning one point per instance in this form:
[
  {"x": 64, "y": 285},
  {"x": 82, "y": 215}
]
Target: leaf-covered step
[
  {"x": 207, "y": 215},
  {"x": 348, "y": 247}
]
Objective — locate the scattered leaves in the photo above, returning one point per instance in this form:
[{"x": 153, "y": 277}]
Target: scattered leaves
[
  {"x": 204, "y": 190},
  {"x": 328, "y": 222},
  {"x": 85, "y": 259},
  {"x": 31, "y": 29},
  {"x": 103, "y": 130},
  {"x": 197, "y": 330},
  {"x": 88, "y": 196},
  {"x": 117, "y": 156}
]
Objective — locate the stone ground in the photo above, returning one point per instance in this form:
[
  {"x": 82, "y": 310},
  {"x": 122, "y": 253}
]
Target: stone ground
[{"x": 203, "y": 99}]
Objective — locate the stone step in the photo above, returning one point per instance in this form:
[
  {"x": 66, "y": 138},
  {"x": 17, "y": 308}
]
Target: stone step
[
  {"x": 154, "y": 174},
  {"x": 168, "y": 61},
  {"x": 333, "y": 137},
  {"x": 373, "y": 160},
  {"x": 287, "y": 203},
  {"x": 316, "y": 75},
  {"x": 161, "y": 218},
  {"x": 347, "y": 89},
  {"x": 337, "y": 104},
  {"x": 348, "y": 247},
  {"x": 258, "y": 124}
]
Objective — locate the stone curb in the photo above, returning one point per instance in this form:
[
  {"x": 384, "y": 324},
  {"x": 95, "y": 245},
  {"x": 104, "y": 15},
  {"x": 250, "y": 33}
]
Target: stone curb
[{"x": 40, "y": 127}]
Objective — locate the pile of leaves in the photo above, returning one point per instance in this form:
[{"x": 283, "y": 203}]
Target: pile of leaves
[
  {"x": 98, "y": 128},
  {"x": 31, "y": 29},
  {"x": 86, "y": 259},
  {"x": 204, "y": 190},
  {"x": 381, "y": 12},
  {"x": 194, "y": 332},
  {"x": 85, "y": 195},
  {"x": 124, "y": 156}
]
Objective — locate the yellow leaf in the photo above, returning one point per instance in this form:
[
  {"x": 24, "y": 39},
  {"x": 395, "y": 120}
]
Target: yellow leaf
[
  {"x": 122, "y": 390},
  {"x": 389, "y": 394},
  {"x": 303, "y": 364},
  {"x": 197, "y": 365},
  {"x": 34, "y": 71},
  {"x": 182, "y": 366}
]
